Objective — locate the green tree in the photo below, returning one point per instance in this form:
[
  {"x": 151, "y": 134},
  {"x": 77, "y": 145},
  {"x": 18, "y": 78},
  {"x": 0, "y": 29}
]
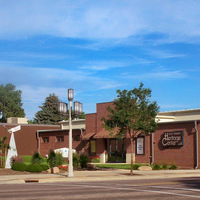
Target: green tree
[
  {"x": 49, "y": 111},
  {"x": 3, "y": 147},
  {"x": 133, "y": 114},
  {"x": 10, "y": 102}
]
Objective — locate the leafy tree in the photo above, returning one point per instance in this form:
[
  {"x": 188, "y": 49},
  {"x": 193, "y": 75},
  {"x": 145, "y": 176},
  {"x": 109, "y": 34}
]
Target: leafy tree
[
  {"x": 3, "y": 147},
  {"x": 132, "y": 114},
  {"x": 10, "y": 102},
  {"x": 49, "y": 111}
]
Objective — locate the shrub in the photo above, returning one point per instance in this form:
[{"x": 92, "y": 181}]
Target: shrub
[
  {"x": 156, "y": 167},
  {"x": 173, "y": 167},
  {"x": 83, "y": 160},
  {"x": 52, "y": 159},
  {"x": 34, "y": 168},
  {"x": 76, "y": 160},
  {"x": 59, "y": 159},
  {"x": 44, "y": 167},
  {"x": 136, "y": 166},
  {"x": 36, "y": 158},
  {"x": 164, "y": 166},
  {"x": 96, "y": 159},
  {"x": 18, "y": 166},
  {"x": 16, "y": 159}
]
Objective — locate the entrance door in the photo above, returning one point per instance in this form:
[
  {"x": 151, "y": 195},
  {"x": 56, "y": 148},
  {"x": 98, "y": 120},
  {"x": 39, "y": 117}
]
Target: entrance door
[{"x": 116, "y": 153}]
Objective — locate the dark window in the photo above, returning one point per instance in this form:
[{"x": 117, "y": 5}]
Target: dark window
[
  {"x": 45, "y": 139},
  {"x": 60, "y": 138}
]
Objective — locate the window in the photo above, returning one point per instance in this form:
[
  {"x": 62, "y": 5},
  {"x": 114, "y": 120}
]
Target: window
[
  {"x": 93, "y": 147},
  {"x": 60, "y": 138},
  {"x": 45, "y": 139},
  {"x": 140, "y": 146}
]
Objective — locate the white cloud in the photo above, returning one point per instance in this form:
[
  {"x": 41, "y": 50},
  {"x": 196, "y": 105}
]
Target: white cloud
[
  {"x": 178, "y": 20},
  {"x": 157, "y": 75},
  {"x": 104, "y": 65},
  {"x": 172, "y": 107},
  {"x": 164, "y": 54}
]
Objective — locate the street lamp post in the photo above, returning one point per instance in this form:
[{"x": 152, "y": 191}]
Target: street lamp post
[
  {"x": 70, "y": 166},
  {"x": 62, "y": 108}
]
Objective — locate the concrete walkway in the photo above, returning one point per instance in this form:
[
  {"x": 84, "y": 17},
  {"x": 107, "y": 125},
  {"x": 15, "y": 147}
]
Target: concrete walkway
[{"x": 98, "y": 176}]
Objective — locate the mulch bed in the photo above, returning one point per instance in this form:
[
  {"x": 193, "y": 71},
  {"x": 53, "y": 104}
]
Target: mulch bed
[{"x": 12, "y": 172}]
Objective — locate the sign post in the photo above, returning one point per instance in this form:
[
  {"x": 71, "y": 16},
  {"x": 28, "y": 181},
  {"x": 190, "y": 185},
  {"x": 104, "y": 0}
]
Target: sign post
[{"x": 13, "y": 149}]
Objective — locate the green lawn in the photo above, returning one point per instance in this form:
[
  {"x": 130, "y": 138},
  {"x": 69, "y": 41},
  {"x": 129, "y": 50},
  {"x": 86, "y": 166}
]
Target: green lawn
[
  {"x": 27, "y": 160},
  {"x": 119, "y": 166}
]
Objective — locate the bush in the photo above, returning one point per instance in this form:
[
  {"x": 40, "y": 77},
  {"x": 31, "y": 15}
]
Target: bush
[
  {"x": 164, "y": 166},
  {"x": 36, "y": 158},
  {"x": 34, "y": 168},
  {"x": 136, "y": 166},
  {"x": 76, "y": 160},
  {"x": 173, "y": 167},
  {"x": 44, "y": 167},
  {"x": 19, "y": 167},
  {"x": 52, "y": 159},
  {"x": 16, "y": 159},
  {"x": 156, "y": 167},
  {"x": 83, "y": 160},
  {"x": 96, "y": 159},
  {"x": 59, "y": 159}
]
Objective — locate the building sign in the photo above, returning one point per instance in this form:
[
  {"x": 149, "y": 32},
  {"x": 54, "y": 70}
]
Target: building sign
[
  {"x": 173, "y": 139},
  {"x": 140, "y": 145}
]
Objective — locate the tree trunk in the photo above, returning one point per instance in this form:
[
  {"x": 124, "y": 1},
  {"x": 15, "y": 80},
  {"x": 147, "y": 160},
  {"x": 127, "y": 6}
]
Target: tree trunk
[{"x": 131, "y": 173}]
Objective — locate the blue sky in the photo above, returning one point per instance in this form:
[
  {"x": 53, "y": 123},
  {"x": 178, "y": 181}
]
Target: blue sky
[{"x": 99, "y": 46}]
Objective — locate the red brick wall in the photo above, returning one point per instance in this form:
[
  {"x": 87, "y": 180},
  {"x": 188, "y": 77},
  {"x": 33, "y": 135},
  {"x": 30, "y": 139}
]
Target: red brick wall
[
  {"x": 91, "y": 123},
  {"x": 181, "y": 156},
  {"x": 147, "y": 148},
  {"x": 53, "y": 144},
  {"x": 198, "y": 126},
  {"x": 100, "y": 146},
  {"x": 26, "y": 139},
  {"x": 102, "y": 112}
]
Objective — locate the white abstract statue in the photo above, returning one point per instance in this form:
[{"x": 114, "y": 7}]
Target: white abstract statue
[{"x": 13, "y": 149}]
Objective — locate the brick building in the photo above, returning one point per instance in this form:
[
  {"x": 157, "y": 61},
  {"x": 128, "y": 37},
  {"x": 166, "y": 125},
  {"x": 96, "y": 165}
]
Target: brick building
[{"x": 176, "y": 140}]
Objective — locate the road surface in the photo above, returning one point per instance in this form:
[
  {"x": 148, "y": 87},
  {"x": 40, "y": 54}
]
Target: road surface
[{"x": 179, "y": 188}]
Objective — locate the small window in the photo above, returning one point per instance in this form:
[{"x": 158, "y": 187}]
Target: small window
[
  {"x": 92, "y": 147},
  {"x": 60, "y": 138},
  {"x": 45, "y": 139}
]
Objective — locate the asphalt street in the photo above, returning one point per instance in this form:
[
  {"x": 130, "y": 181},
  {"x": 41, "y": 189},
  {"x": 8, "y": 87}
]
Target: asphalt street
[{"x": 168, "y": 188}]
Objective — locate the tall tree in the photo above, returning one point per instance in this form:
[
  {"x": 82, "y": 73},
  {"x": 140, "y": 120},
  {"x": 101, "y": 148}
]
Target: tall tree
[
  {"x": 3, "y": 148},
  {"x": 133, "y": 114},
  {"x": 10, "y": 102},
  {"x": 49, "y": 111}
]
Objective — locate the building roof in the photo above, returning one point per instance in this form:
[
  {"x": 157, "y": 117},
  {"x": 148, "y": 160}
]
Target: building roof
[{"x": 87, "y": 136}]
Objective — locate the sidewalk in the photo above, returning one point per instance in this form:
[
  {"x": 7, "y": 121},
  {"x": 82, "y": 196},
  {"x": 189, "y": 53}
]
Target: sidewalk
[{"x": 98, "y": 176}]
